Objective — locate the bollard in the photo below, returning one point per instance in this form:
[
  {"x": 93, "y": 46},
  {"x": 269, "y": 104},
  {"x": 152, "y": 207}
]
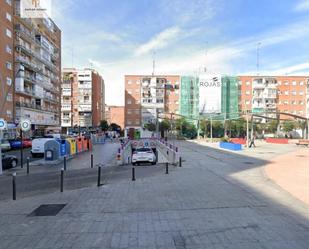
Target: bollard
[
  {"x": 61, "y": 180},
  {"x": 133, "y": 173},
  {"x": 166, "y": 168},
  {"x": 99, "y": 176},
  {"x": 14, "y": 186},
  {"x": 91, "y": 160},
  {"x": 180, "y": 162},
  {"x": 28, "y": 165},
  {"x": 65, "y": 163}
]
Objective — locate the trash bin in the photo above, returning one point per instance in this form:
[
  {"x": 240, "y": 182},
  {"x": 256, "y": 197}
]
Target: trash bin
[
  {"x": 85, "y": 143},
  {"x": 52, "y": 150},
  {"x": 72, "y": 143},
  {"x": 79, "y": 143},
  {"x": 64, "y": 147}
]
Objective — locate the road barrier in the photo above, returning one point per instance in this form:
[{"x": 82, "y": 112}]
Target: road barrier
[
  {"x": 98, "y": 138},
  {"x": 91, "y": 160},
  {"x": 61, "y": 179},
  {"x": 169, "y": 151},
  {"x": 133, "y": 174},
  {"x": 99, "y": 176},
  {"x": 166, "y": 168},
  {"x": 124, "y": 153},
  {"x": 28, "y": 165},
  {"x": 14, "y": 185}
]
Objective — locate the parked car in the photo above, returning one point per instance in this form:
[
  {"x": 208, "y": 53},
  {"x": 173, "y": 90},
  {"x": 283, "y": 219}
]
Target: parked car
[
  {"x": 27, "y": 143},
  {"x": 38, "y": 146},
  {"x": 9, "y": 161},
  {"x": 144, "y": 155},
  {"x": 15, "y": 144},
  {"x": 5, "y": 145}
]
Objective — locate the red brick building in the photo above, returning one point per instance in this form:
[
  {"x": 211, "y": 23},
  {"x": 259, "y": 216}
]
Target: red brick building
[{"x": 115, "y": 114}]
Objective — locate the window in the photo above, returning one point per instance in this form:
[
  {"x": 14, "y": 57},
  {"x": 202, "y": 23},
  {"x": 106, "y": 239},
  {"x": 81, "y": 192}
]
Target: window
[
  {"x": 137, "y": 122},
  {"x": 286, "y": 83},
  {"x": 9, "y": 97},
  {"x": 286, "y": 92},
  {"x": 129, "y": 82},
  {"x": 240, "y": 82},
  {"x": 279, "y": 83},
  {"x": 129, "y": 122},
  {"x": 294, "y": 93},
  {"x": 247, "y": 92},
  {"x": 247, "y": 102},
  {"x": 8, "y": 33},
  {"x": 137, "y": 111},
  {"x": 8, "y": 17},
  {"x": 8, "y": 65},
  {"x": 9, "y": 2},
  {"x": 8, "y": 81},
  {"x": 294, "y": 83},
  {"x": 8, "y": 49},
  {"x": 129, "y": 92},
  {"x": 293, "y": 102},
  {"x": 129, "y": 111},
  {"x": 301, "y": 102},
  {"x": 138, "y": 82},
  {"x": 248, "y": 83},
  {"x": 286, "y": 102},
  {"x": 301, "y": 83},
  {"x": 129, "y": 102},
  {"x": 86, "y": 98},
  {"x": 301, "y": 93},
  {"x": 9, "y": 113},
  {"x": 137, "y": 90}
]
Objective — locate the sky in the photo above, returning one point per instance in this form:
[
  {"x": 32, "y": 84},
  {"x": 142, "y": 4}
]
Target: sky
[{"x": 122, "y": 37}]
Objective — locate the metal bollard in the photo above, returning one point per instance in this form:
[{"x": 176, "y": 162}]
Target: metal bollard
[
  {"x": 91, "y": 160},
  {"x": 14, "y": 186},
  {"x": 133, "y": 174},
  {"x": 65, "y": 163},
  {"x": 28, "y": 165},
  {"x": 99, "y": 176},
  {"x": 166, "y": 168},
  {"x": 180, "y": 162},
  {"x": 61, "y": 180}
]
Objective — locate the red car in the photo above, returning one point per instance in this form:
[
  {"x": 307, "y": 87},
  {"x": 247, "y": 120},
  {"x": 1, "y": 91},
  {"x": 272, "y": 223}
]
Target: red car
[{"x": 27, "y": 143}]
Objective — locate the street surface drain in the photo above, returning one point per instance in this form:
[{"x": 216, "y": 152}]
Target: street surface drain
[
  {"x": 47, "y": 210},
  {"x": 248, "y": 163}
]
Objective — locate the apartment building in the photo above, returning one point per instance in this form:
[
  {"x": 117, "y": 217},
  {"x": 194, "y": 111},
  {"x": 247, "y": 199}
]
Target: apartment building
[
  {"x": 270, "y": 94},
  {"x": 82, "y": 99},
  {"x": 30, "y": 68},
  {"x": 6, "y": 61},
  {"x": 146, "y": 96},
  {"x": 115, "y": 114}
]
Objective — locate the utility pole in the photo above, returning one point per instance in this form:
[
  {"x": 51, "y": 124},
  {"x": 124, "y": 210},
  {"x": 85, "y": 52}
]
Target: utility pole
[
  {"x": 211, "y": 128},
  {"x": 258, "y": 58},
  {"x": 153, "y": 63}
]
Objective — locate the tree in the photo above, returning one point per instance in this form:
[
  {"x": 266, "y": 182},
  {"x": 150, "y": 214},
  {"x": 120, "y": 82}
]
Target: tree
[
  {"x": 114, "y": 127},
  {"x": 104, "y": 125},
  {"x": 217, "y": 129},
  {"x": 272, "y": 126},
  {"x": 205, "y": 127},
  {"x": 150, "y": 127},
  {"x": 288, "y": 126}
]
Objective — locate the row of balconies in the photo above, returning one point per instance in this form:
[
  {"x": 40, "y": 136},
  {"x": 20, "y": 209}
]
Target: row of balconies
[{"x": 33, "y": 106}]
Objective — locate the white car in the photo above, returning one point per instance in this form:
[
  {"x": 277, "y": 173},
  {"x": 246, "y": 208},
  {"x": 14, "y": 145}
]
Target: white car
[
  {"x": 144, "y": 155},
  {"x": 38, "y": 146}
]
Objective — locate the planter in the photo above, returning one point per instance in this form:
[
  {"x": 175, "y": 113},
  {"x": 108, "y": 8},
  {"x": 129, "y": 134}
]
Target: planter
[
  {"x": 238, "y": 140},
  {"x": 230, "y": 146},
  {"x": 277, "y": 140}
]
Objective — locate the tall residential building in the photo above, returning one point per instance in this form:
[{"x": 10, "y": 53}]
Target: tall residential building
[
  {"x": 6, "y": 61},
  {"x": 30, "y": 68},
  {"x": 285, "y": 94},
  {"x": 146, "y": 96},
  {"x": 82, "y": 99},
  {"x": 115, "y": 114}
]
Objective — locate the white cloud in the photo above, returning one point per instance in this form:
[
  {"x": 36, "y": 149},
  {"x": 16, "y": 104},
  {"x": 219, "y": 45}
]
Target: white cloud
[
  {"x": 302, "y": 68},
  {"x": 302, "y": 5},
  {"x": 161, "y": 40}
]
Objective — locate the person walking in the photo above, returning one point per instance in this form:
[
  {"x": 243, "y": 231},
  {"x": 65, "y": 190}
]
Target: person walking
[{"x": 252, "y": 142}]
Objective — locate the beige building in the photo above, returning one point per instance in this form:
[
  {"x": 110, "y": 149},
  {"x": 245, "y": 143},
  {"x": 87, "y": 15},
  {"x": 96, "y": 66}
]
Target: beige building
[
  {"x": 30, "y": 69},
  {"x": 82, "y": 99}
]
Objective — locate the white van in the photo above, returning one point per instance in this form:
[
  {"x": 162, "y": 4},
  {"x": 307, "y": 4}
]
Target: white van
[{"x": 38, "y": 146}]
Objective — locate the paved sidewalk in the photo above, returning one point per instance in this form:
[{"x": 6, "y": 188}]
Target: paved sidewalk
[
  {"x": 216, "y": 200},
  {"x": 291, "y": 172}
]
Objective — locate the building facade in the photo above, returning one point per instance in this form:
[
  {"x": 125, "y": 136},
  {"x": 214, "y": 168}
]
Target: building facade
[
  {"x": 30, "y": 68},
  {"x": 115, "y": 114},
  {"x": 147, "y": 96},
  {"x": 82, "y": 99},
  {"x": 271, "y": 94}
]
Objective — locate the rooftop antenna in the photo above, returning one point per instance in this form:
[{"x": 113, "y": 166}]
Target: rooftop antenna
[
  {"x": 205, "y": 67},
  {"x": 72, "y": 56},
  {"x": 258, "y": 58},
  {"x": 153, "y": 63}
]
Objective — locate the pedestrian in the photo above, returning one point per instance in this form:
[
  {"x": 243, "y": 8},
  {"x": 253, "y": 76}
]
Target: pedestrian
[{"x": 252, "y": 142}]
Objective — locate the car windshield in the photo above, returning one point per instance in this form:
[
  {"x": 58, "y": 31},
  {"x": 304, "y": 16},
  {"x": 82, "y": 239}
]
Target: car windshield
[{"x": 143, "y": 150}]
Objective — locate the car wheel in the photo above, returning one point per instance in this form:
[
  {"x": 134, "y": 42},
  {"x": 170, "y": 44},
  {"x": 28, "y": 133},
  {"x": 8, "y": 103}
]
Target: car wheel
[
  {"x": 153, "y": 163},
  {"x": 14, "y": 163}
]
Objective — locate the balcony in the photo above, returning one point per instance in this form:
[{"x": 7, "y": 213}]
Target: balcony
[
  {"x": 29, "y": 65},
  {"x": 35, "y": 107},
  {"x": 66, "y": 107},
  {"x": 84, "y": 108}
]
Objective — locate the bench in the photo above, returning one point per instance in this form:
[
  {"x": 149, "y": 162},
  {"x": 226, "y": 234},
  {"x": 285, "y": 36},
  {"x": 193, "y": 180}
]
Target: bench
[{"x": 303, "y": 142}]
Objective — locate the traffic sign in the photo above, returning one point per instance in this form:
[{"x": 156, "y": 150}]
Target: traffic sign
[
  {"x": 25, "y": 125},
  {"x": 2, "y": 124}
]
